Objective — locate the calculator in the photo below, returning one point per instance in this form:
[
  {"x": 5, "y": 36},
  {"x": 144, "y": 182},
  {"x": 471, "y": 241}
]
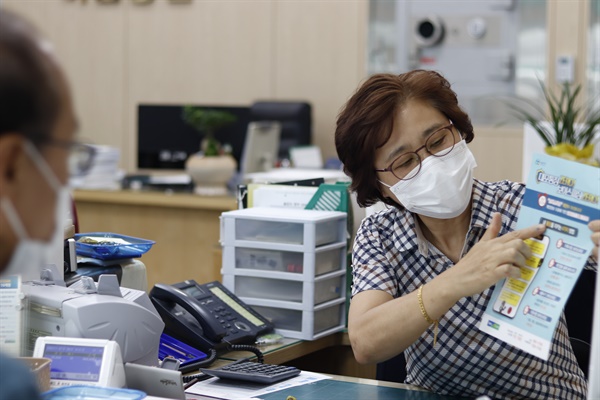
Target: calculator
[{"x": 253, "y": 372}]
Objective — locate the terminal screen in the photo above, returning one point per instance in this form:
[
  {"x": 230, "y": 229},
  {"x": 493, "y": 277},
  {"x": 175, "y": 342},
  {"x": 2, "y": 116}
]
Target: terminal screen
[
  {"x": 193, "y": 291},
  {"x": 74, "y": 363},
  {"x": 236, "y": 306}
]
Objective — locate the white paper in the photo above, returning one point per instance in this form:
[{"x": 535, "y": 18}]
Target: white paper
[
  {"x": 306, "y": 157},
  {"x": 280, "y": 195},
  {"x": 11, "y": 310},
  {"x": 240, "y": 390}
]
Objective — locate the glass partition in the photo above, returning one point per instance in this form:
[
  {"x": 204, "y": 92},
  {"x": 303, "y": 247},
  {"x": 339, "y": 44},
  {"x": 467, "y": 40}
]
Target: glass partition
[
  {"x": 500, "y": 42},
  {"x": 593, "y": 65}
]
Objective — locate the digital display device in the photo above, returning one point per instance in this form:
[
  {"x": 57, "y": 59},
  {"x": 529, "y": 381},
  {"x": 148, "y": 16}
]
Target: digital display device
[
  {"x": 74, "y": 363},
  {"x": 82, "y": 361},
  {"x": 236, "y": 306},
  {"x": 193, "y": 291},
  {"x": 295, "y": 118},
  {"x": 261, "y": 147},
  {"x": 165, "y": 140}
]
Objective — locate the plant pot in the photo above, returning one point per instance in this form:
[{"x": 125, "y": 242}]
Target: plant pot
[
  {"x": 532, "y": 143},
  {"x": 210, "y": 174},
  {"x": 570, "y": 152}
]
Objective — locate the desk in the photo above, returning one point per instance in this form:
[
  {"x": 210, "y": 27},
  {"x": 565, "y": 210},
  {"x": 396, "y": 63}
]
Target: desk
[
  {"x": 185, "y": 227},
  {"x": 186, "y": 230},
  {"x": 344, "y": 388},
  {"x": 336, "y": 388}
]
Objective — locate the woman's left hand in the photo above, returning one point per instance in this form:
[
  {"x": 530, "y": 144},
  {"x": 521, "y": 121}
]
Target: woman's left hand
[{"x": 595, "y": 227}]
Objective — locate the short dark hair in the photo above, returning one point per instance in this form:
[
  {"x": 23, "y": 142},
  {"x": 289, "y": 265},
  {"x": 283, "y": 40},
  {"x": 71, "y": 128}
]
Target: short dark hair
[
  {"x": 29, "y": 94},
  {"x": 366, "y": 122}
]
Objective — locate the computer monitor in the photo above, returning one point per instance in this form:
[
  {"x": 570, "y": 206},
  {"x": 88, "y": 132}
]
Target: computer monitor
[
  {"x": 261, "y": 147},
  {"x": 295, "y": 118},
  {"x": 165, "y": 140}
]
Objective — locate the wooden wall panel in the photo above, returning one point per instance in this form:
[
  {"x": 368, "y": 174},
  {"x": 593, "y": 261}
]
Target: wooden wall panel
[
  {"x": 205, "y": 52},
  {"x": 88, "y": 41},
  {"x": 498, "y": 153},
  {"x": 320, "y": 56}
]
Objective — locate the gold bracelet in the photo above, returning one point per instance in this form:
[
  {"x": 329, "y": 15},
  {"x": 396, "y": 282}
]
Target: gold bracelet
[{"x": 426, "y": 316}]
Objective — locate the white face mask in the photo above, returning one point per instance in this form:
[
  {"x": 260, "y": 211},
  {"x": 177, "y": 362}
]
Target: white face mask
[
  {"x": 31, "y": 255},
  {"x": 442, "y": 189}
]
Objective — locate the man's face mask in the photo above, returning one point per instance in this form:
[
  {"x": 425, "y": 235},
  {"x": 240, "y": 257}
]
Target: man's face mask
[{"x": 31, "y": 255}]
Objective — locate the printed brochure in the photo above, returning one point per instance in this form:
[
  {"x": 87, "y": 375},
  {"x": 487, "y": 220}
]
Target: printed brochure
[{"x": 563, "y": 195}]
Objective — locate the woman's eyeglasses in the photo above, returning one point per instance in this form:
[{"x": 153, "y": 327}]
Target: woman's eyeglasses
[{"x": 408, "y": 165}]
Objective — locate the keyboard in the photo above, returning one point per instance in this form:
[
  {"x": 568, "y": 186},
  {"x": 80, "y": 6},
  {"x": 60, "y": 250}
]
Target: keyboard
[{"x": 253, "y": 372}]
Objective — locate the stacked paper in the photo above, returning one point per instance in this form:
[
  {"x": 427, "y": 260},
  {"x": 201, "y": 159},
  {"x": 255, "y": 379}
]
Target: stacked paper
[{"x": 104, "y": 173}]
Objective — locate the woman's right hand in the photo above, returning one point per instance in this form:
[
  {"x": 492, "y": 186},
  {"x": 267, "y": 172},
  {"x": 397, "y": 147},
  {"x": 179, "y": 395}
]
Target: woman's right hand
[{"x": 492, "y": 258}]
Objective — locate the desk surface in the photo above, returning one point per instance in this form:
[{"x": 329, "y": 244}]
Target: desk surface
[
  {"x": 288, "y": 349},
  {"x": 337, "y": 388},
  {"x": 311, "y": 355},
  {"x": 184, "y": 226},
  {"x": 340, "y": 388},
  {"x": 156, "y": 198}
]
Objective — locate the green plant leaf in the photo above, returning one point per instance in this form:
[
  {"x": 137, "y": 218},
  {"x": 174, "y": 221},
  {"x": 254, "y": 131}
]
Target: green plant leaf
[
  {"x": 207, "y": 121},
  {"x": 569, "y": 123}
]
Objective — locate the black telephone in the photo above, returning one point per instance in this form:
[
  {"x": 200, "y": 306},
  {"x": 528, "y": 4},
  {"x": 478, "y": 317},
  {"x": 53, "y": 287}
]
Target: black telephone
[{"x": 206, "y": 316}]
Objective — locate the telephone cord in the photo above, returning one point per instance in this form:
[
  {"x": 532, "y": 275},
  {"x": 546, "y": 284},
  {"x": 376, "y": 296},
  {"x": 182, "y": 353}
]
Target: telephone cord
[{"x": 213, "y": 355}]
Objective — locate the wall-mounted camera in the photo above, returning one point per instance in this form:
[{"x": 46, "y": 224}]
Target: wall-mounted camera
[{"x": 429, "y": 31}]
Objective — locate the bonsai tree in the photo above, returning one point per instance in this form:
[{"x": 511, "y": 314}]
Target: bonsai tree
[
  {"x": 566, "y": 128},
  {"x": 207, "y": 121}
]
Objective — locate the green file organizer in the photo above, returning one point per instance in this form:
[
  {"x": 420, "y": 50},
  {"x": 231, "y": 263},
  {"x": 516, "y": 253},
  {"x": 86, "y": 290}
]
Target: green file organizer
[{"x": 335, "y": 197}]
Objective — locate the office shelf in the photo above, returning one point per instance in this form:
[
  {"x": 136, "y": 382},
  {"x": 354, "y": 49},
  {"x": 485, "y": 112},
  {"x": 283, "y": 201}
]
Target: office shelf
[{"x": 290, "y": 265}]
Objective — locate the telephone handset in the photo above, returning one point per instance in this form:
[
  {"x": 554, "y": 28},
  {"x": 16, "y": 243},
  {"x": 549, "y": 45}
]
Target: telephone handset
[
  {"x": 206, "y": 316},
  {"x": 184, "y": 314}
]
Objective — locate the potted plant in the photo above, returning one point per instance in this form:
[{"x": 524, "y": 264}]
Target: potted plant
[
  {"x": 566, "y": 128},
  {"x": 212, "y": 167},
  {"x": 207, "y": 121}
]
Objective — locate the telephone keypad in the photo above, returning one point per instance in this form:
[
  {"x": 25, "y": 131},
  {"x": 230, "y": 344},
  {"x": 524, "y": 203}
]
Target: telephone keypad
[{"x": 226, "y": 319}]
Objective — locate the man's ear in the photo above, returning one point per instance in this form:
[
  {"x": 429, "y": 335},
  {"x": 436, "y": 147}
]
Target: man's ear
[{"x": 11, "y": 149}]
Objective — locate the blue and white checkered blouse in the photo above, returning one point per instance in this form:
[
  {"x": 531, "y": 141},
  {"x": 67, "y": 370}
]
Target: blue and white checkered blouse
[{"x": 391, "y": 254}]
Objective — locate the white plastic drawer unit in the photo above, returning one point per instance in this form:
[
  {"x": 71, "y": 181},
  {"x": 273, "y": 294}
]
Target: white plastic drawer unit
[
  {"x": 323, "y": 260},
  {"x": 305, "y": 229},
  {"x": 308, "y": 294},
  {"x": 307, "y": 325}
]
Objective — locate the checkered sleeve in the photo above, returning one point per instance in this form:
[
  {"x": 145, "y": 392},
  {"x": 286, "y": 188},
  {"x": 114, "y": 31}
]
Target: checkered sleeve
[
  {"x": 371, "y": 268},
  {"x": 591, "y": 264},
  {"x": 390, "y": 255}
]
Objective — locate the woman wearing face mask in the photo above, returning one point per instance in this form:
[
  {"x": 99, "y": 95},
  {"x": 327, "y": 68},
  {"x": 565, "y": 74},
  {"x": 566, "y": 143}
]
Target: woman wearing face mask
[
  {"x": 37, "y": 126},
  {"x": 425, "y": 267}
]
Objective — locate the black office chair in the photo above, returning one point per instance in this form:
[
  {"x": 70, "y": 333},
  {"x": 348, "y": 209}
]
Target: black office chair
[
  {"x": 579, "y": 312},
  {"x": 392, "y": 370}
]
